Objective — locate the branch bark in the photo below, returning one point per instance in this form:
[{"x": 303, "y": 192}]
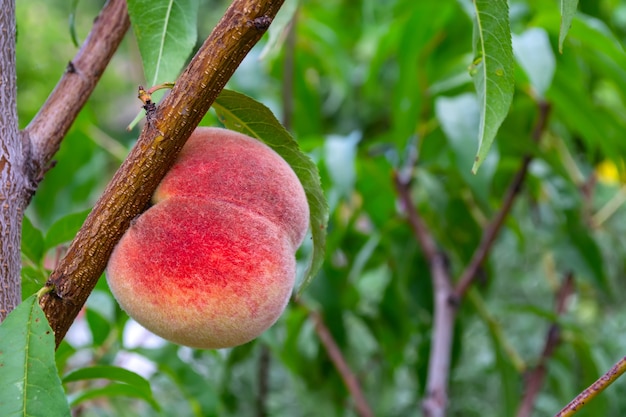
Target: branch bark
[
  {"x": 132, "y": 186},
  {"x": 12, "y": 160}
]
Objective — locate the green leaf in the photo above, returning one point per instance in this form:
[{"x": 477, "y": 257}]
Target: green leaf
[
  {"x": 33, "y": 279},
  {"x": 492, "y": 70},
  {"x": 597, "y": 36},
  {"x": 29, "y": 383},
  {"x": 115, "y": 390},
  {"x": 32, "y": 241},
  {"x": 72, "y": 23},
  {"x": 64, "y": 229},
  {"x": 243, "y": 114},
  {"x": 134, "y": 385},
  {"x": 568, "y": 10},
  {"x": 112, "y": 373},
  {"x": 166, "y": 32}
]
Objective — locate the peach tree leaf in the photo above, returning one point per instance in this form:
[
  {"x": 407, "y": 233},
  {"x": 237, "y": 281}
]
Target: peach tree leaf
[
  {"x": 32, "y": 241},
  {"x": 64, "y": 229},
  {"x": 568, "y": 10},
  {"x": 243, "y": 114},
  {"x": 131, "y": 384},
  {"x": 492, "y": 70},
  {"x": 29, "y": 382},
  {"x": 166, "y": 32}
]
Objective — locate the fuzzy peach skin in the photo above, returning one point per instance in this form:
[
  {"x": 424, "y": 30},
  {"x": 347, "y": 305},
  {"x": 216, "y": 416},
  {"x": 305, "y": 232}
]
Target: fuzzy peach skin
[
  {"x": 220, "y": 164},
  {"x": 212, "y": 263}
]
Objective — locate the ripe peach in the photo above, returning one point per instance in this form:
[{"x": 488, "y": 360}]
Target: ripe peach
[
  {"x": 219, "y": 164},
  {"x": 211, "y": 264}
]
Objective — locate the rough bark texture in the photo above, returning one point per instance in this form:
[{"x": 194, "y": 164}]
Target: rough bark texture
[
  {"x": 168, "y": 128},
  {"x": 12, "y": 178}
]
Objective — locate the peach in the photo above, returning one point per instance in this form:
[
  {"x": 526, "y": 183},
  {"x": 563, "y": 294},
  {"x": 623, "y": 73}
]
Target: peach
[{"x": 212, "y": 263}]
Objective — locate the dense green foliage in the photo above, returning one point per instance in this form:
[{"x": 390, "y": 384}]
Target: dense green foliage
[{"x": 369, "y": 88}]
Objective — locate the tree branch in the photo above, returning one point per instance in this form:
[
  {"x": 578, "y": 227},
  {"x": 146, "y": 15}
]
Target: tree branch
[
  {"x": 594, "y": 390},
  {"x": 446, "y": 297},
  {"x": 132, "y": 186},
  {"x": 348, "y": 377},
  {"x": 48, "y": 128},
  {"x": 534, "y": 381},
  {"x": 445, "y": 307}
]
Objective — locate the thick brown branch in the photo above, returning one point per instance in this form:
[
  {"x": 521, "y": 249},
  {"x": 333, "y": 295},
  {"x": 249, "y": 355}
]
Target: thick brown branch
[
  {"x": 131, "y": 188},
  {"x": 50, "y": 125},
  {"x": 348, "y": 377},
  {"x": 493, "y": 229},
  {"x": 535, "y": 379}
]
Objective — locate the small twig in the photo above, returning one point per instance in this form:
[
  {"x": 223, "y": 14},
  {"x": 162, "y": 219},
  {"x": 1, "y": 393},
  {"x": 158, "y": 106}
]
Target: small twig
[
  {"x": 423, "y": 236},
  {"x": 493, "y": 229},
  {"x": 335, "y": 355},
  {"x": 535, "y": 379},
  {"x": 594, "y": 390},
  {"x": 435, "y": 403}
]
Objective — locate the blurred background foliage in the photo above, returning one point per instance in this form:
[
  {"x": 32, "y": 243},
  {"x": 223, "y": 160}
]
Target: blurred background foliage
[{"x": 367, "y": 88}]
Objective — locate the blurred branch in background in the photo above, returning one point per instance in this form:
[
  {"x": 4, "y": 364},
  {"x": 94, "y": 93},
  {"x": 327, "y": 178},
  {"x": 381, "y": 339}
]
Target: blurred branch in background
[
  {"x": 445, "y": 306},
  {"x": 534, "y": 380},
  {"x": 334, "y": 353},
  {"x": 493, "y": 229},
  {"x": 448, "y": 298}
]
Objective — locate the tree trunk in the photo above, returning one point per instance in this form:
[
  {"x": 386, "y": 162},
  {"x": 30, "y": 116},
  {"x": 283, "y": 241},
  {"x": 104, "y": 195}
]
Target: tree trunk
[{"x": 12, "y": 178}]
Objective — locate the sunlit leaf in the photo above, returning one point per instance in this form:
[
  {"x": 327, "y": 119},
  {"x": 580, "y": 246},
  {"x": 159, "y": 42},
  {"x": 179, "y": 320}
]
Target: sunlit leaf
[
  {"x": 166, "y": 31},
  {"x": 492, "y": 70}
]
